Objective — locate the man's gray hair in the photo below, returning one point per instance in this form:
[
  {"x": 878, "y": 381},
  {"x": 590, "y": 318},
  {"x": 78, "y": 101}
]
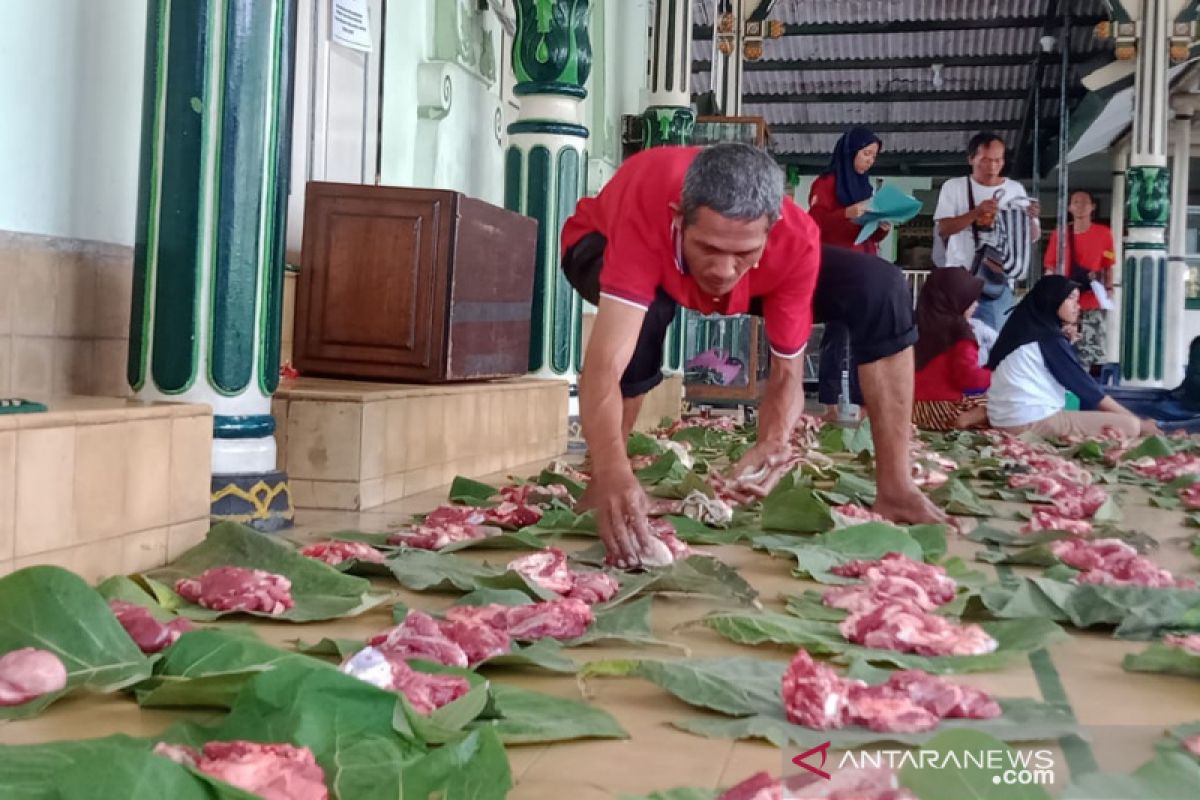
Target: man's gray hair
[{"x": 735, "y": 180}]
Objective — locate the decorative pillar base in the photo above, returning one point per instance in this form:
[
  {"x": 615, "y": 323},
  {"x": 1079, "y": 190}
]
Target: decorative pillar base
[
  {"x": 664, "y": 125},
  {"x": 261, "y": 500}
]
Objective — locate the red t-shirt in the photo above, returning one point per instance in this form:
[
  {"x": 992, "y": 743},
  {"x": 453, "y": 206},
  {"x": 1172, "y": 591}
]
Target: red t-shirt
[
  {"x": 949, "y": 375},
  {"x": 831, "y": 218},
  {"x": 1095, "y": 254},
  {"x": 633, "y": 212}
]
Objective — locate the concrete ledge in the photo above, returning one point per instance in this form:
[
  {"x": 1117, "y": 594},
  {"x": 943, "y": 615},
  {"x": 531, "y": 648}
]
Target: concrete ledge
[
  {"x": 353, "y": 445},
  {"x": 103, "y": 486}
]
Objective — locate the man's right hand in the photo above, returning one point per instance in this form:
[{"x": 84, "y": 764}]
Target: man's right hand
[
  {"x": 988, "y": 206},
  {"x": 620, "y": 504}
]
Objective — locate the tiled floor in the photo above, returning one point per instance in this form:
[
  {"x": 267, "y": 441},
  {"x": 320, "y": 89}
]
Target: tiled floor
[{"x": 1125, "y": 713}]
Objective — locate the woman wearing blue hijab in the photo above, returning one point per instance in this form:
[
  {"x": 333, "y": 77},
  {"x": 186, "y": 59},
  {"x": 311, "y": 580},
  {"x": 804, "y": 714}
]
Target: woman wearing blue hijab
[
  {"x": 841, "y": 194},
  {"x": 838, "y": 197}
]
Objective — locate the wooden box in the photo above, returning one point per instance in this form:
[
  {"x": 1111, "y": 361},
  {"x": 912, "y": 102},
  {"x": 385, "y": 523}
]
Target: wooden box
[{"x": 412, "y": 285}]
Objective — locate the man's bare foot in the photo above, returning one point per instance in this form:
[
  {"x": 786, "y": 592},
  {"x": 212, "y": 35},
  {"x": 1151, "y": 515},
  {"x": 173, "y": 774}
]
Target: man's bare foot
[{"x": 910, "y": 507}]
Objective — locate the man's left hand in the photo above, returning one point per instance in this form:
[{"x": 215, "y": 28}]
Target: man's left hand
[{"x": 763, "y": 465}]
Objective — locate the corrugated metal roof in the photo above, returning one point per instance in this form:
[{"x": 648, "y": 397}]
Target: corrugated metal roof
[
  {"x": 846, "y": 94},
  {"x": 848, "y": 11}
]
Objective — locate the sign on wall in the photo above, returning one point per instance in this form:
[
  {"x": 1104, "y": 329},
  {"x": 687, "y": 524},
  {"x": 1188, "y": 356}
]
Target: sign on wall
[{"x": 350, "y": 24}]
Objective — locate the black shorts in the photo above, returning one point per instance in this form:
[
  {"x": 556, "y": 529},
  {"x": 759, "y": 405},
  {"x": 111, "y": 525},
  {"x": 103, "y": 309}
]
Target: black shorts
[{"x": 867, "y": 295}]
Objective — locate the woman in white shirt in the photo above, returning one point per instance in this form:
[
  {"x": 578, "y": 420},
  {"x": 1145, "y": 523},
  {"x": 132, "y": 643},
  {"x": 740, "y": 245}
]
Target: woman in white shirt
[{"x": 1033, "y": 366}]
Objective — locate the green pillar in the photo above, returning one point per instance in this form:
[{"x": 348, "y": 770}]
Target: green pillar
[
  {"x": 209, "y": 248},
  {"x": 1144, "y": 273},
  {"x": 546, "y": 165}
]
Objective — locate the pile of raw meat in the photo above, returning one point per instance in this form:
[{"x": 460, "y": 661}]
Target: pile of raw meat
[
  {"x": 334, "y": 552},
  {"x": 386, "y": 669},
  {"x": 1189, "y": 643},
  {"x": 238, "y": 589},
  {"x": 1074, "y": 499},
  {"x": 863, "y": 784},
  {"x": 1166, "y": 468},
  {"x": 891, "y": 609},
  {"x": 854, "y": 514},
  {"x": 150, "y": 635},
  {"x": 910, "y": 701},
  {"x": 1112, "y": 562},
  {"x": 271, "y": 771},
  {"x": 1191, "y": 496},
  {"x": 27, "y": 674},
  {"x": 516, "y": 507},
  {"x": 929, "y": 469},
  {"x": 548, "y": 569}
]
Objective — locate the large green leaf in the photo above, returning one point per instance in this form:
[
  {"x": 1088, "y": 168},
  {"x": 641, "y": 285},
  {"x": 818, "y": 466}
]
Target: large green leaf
[
  {"x": 548, "y": 478},
  {"x": 1152, "y": 446},
  {"x": 944, "y": 778},
  {"x": 640, "y": 444},
  {"x": 116, "y": 767},
  {"x": 748, "y": 691},
  {"x": 320, "y": 591},
  {"x": 855, "y": 487},
  {"x": 817, "y": 555},
  {"x": 564, "y": 522},
  {"x": 1173, "y": 741},
  {"x": 693, "y": 532},
  {"x": 422, "y": 570},
  {"x": 1160, "y": 657},
  {"x": 471, "y": 493},
  {"x": 692, "y": 575},
  {"x": 1169, "y": 776},
  {"x": 792, "y": 506},
  {"x": 666, "y": 467},
  {"x": 626, "y": 622},
  {"x": 1137, "y": 612},
  {"x": 958, "y": 499},
  {"x": 546, "y": 654},
  {"x": 527, "y": 717},
  {"x": 1013, "y": 637},
  {"x": 51, "y": 609},
  {"x": 474, "y": 767}
]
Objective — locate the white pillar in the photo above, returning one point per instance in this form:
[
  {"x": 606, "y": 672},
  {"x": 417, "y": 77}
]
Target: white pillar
[
  {"x": 1174, "y": 348},
  {"x": 1113, "y": 318}
]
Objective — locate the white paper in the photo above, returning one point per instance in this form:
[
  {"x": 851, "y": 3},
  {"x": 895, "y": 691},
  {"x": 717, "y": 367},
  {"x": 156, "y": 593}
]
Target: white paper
[
  {"x": 1101, "y": 295},
  {"x": 350, "y": 24}
]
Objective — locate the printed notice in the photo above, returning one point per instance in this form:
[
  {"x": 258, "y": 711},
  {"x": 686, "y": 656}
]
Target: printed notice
[{"x": 350, "y": 24}]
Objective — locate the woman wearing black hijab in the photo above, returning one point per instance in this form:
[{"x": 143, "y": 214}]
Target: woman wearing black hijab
[
  {"x": 838, "y": 197},
  {"x": 1033, "y": 366}
]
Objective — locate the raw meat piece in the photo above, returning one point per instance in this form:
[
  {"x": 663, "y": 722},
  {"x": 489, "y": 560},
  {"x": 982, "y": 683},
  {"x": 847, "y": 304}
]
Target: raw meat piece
[
  {"x": 814, "y": 695},
  {"x": 238, "y": 589},
  {"x": 1192, "y": 744},
  {"x": 513, "y": 515},
  {"x": 854, "y": 514},
  {"x": 926, "y": 477},
  {"x": 492, "y": 615},
  {"x": 271, "y": 771},
  {"x": 939, "y": 586},
  {"x": 880, "y": 591},
  {"x": 567, "y": 471},
  {"x": 942, "y": 698},
  {"x": 1190, "y": 643},
  {"x": 1046, "y": 520},
  {"x": 1082, "y": 554},
  {"x": 759, "y": 786},
  {"x": 547, "y": 568},
  {"x": 1167, "y": 468},
  {"x": 665, "y": 533},
  {"x": 908, "y": 629},
  {"x": 662, "y": 506},
  {"x": 531, "y": 494},
  {"x": 723, "y": 423},
  {"x": 389, "y": 671},
  {"x": 594, "y": 587},
  {"x": 1191, "y": 496},
  {"x": 712, "y": 511},
  {"x": 558, "y": 619},
  {"x": 29, "y": 673},
  {"x": 445, "y": 525},
  {"x": 335, "y": 552},
  {"x": 882, "y": 709},
  {"x": 150, "y": 635},
  {"x": 1136, "y": 571},
  {"x": 419, "y": 636},
  {"x": 478, "y": 641}
]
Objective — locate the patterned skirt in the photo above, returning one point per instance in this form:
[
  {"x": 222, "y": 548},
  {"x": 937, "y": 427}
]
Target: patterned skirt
[{"x": 943, "y": 415}]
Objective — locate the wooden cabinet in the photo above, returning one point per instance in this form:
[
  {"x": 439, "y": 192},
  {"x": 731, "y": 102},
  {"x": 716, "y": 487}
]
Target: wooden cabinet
[{"x": 417, "y": 285}]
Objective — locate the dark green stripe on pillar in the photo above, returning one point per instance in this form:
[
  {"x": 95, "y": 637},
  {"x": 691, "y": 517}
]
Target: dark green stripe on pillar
[
  {"x": 538, "y": 194},
  {"x": 1145, "y": 301},
  {"x": 273, "y": 270},
  {"x": 249, "y": 35},
  {"x": 177, "y": 275},
  {"x": 512, "y": 180},
  {"x": 1160, "y": 309},
  {"x": 563, "y": 324},
  {"x": 1128, "y": 313},
  {"x": 147, "y": 185}
]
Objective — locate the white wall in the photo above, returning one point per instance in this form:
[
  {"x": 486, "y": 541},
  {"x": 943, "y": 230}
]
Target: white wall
[{"x": 70, "y": 116}]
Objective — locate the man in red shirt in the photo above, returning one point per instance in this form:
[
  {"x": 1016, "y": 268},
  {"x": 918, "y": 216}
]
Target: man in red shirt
[
  {"x": 1089, "y": 257},
  {"x": 710, "y": 229}
]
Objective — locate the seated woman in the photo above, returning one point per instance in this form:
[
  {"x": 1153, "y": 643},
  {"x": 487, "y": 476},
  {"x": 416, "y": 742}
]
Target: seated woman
[
  {"x": 1033, "y": 366},
  {"x": 949, "y": 380}
]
